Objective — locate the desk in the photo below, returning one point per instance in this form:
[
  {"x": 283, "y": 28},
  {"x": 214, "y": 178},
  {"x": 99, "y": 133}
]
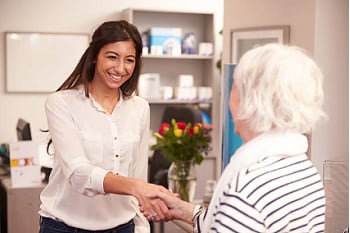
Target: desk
[{"x": 19, "y": 207}]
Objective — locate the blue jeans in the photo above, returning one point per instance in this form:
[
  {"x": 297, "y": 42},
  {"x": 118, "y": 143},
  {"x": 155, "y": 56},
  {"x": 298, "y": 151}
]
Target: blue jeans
[{"x": 48, "y": 225}]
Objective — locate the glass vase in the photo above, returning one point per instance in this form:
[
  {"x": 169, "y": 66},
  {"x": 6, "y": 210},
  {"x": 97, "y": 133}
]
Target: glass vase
[{"x": 182, "y": 179}]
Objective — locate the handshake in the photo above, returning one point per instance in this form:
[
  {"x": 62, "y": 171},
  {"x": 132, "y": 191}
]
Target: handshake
[{"x": 160, "y": 204}]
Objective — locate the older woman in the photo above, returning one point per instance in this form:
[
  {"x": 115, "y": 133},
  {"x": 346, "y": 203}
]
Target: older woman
[{"x": 269, "y": 185}]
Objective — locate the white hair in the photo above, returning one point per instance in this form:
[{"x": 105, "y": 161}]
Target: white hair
[{"x": 280, "y": 88}]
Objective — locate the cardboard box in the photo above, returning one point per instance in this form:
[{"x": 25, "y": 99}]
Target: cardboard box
[
  {"x": 24, "y": 164},
  {"x": 165, "y": 41}
]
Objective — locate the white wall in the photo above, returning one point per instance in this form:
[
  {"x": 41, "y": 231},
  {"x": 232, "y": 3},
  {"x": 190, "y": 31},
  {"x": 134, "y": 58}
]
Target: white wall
[
  {"x": 330, "y": 139},
  {"x": 322, "y": 27},
  {"x": 78, "y": 16}
]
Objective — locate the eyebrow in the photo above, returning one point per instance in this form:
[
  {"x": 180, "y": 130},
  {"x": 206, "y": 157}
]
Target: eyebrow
[{"x": 130, "y": 55}]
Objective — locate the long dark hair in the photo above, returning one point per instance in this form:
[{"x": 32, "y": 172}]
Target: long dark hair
[{"x": 106, "y": 33}]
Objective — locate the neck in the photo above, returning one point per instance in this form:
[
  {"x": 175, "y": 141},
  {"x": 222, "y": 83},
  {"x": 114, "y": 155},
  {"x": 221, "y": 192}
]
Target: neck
[
  {"x": 246, "y": 133},
  {"x": 106, "y": 98}
]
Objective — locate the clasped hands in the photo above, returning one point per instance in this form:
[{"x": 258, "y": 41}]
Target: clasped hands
[{"x": 160, "y": 204}]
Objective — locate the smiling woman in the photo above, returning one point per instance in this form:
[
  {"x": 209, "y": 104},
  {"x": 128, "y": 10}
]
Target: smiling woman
[{"x": 100, "y": 131}]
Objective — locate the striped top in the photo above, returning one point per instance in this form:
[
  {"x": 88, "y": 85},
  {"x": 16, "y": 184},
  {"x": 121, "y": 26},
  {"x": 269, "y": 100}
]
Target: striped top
[{"x": 277, "y": 194}]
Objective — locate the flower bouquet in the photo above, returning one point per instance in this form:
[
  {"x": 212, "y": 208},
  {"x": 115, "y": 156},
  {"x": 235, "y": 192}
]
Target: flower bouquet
[{"x": 184, "y": 145}]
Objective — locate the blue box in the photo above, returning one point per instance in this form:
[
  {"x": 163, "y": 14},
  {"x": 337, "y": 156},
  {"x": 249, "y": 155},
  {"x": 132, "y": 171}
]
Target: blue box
[{"x": 165, "y": 41}]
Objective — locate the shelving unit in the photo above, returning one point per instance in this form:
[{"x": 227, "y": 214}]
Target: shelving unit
[{"x": 169, "y": 67}]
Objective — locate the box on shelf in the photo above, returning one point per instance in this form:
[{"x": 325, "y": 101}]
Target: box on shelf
[
  {"x": 205, "y": 49},
  {"x": 149, "y": 86},
  {"x": 163, "y": 40},
  {"x": 186, "y": 93},
  {"x": 185, "y": 80},
  {"x": 205, "y": 93},
  {"x": 167, "y": 92},
  {"x": 145, "y": 43}
]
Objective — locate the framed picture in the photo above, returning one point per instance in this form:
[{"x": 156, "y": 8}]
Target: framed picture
[{"x": 245, "y": 39}]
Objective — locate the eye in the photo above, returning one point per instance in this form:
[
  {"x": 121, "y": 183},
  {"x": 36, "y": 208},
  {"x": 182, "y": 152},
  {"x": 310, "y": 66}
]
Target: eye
[
  {"x": 112, "y": 57},
  {"x": 130, "y": 60}
]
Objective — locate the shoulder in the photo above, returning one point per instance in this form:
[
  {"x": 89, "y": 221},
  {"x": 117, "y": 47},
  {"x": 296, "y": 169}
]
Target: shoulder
[
  {"x": 137, "y": 101},
  {"x": 273, "y": 174},
  {"x": 69, "y": 95},
  {"x": 250, "y": 179}
]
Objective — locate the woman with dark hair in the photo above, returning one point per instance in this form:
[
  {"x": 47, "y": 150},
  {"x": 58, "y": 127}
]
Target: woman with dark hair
[{"x": 99, "y": 131}]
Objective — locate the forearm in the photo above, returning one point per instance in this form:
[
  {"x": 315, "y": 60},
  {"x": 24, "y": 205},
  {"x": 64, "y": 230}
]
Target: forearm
[{"x": 116, "y": 184}]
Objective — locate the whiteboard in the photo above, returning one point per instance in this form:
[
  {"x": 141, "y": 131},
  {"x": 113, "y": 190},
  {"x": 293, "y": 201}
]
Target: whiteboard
[{"x": 41, "y": 62}]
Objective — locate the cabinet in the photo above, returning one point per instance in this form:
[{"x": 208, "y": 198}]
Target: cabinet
[{"x": 19, "y": 207}]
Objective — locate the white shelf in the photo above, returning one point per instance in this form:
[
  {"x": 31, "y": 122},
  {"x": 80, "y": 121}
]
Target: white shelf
[
  {"x": 183, "y": 56},
  {"x": 175, "y": 101}
]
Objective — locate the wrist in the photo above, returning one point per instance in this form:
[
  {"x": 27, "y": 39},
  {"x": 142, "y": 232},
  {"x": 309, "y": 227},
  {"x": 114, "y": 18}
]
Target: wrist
[
  {"x": 197, "y": 211},
  {"x": 135, "y": 186}
]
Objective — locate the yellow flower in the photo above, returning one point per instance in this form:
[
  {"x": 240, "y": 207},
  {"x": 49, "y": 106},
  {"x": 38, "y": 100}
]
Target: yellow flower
[
  {"x": 196, "y": 129},
  {"x": 178, "y": 132},
  {"x": 158, "y": 135}
]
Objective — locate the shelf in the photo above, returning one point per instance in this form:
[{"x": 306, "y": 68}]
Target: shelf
[
  {"x": 183, "y": 56},
  {"x": 175, "y": 101}
]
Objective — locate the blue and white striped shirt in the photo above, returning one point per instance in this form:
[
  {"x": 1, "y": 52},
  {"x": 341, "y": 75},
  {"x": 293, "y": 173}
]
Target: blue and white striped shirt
[{"x": 276, "y": 194}]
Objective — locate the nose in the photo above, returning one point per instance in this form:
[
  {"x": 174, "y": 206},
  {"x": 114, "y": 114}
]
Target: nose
[{"x": 119, "y": 66}]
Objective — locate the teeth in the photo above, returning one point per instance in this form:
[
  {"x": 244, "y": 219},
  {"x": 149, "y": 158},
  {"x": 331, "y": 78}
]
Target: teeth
[{"x": 115, "y": 77}]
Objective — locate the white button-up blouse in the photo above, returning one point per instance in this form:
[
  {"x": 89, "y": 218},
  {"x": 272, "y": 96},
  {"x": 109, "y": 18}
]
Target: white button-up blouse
[{"x": 88, "y": 142}]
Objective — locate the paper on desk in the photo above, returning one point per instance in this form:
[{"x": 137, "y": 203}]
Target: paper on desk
[{"x": 24, "y": 164}]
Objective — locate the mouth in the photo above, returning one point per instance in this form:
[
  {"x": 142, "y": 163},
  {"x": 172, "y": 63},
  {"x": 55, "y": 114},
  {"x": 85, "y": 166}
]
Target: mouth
[{"x": 115, "y": 77}]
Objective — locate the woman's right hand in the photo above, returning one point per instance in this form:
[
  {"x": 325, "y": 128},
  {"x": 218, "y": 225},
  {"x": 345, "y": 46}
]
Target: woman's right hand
[
  {"x": 142, "y": 191},
  {"x": 153, "y": 208},
  {"x": 179, "y": 209}
]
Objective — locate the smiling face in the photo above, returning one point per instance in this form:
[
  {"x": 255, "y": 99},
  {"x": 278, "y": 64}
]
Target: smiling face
[{"x": 115, "y": 65}]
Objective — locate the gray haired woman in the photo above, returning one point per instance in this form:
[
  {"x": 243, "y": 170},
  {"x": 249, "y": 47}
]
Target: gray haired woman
[{"x": 269, "y": 185}]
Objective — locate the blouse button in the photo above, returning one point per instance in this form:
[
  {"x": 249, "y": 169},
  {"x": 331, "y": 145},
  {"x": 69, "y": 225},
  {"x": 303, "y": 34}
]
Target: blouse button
[
  {"x": 117, "y": 156},
  {"x": 115, "y": 138}
]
